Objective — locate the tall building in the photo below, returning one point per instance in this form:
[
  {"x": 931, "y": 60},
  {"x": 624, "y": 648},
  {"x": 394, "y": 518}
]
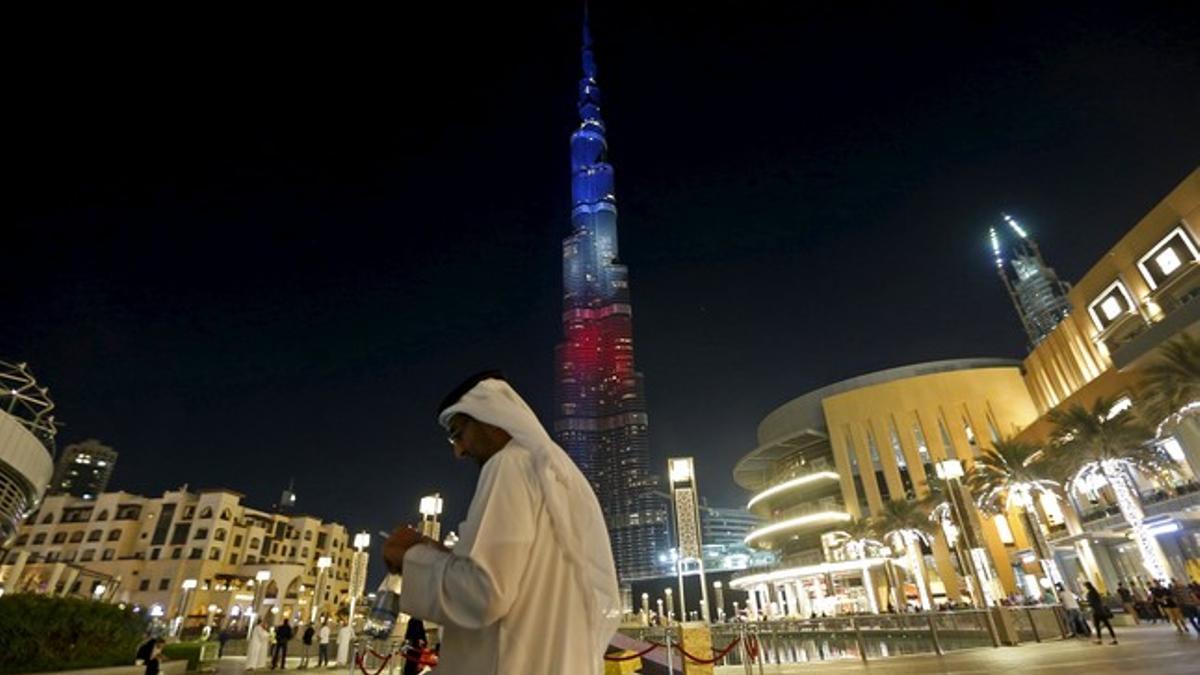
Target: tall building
[
  {"x": 601, "y": 417},
  {"x": 1036, "y": 291},
  {"x": 83, "y": 469},
  {"x": 196, "y": 557}
]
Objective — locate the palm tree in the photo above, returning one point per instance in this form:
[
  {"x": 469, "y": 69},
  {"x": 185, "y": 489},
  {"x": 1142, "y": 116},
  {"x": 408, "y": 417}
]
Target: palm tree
[
  {"x": 1096, "y": 445},
  {"x": 856, "y": 537},
  {"x": 1171, "y": 386},
  {"x": 906, "y": 525}
]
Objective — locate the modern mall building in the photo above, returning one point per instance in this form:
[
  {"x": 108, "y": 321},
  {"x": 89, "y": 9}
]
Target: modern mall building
[
  {"x": 839, "y": 453},
  {"x": 199, "y": 557}
]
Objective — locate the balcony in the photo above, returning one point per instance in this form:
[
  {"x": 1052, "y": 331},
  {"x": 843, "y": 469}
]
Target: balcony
[{"x": 796, "y": 480}]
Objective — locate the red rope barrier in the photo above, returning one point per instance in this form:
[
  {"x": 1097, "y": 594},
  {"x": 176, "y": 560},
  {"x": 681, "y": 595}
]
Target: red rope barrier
[
  {"x": 717, "y": 656},
  {"x": 752, "y": 647},
  {"x": 358, "y": 661},
  {"x": 652, "y": 647}
]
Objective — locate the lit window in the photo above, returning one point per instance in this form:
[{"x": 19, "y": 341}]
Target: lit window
[
  {"x": 1111, "y": 308},
  {"x": 1167, "y": 261}
]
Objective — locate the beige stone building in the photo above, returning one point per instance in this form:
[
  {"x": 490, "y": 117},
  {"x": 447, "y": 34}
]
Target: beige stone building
[{"x": 187, "y": 553}]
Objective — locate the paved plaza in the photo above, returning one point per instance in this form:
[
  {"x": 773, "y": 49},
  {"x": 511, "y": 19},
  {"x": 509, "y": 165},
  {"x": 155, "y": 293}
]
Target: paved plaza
[{"x": 1143, "y": 649}]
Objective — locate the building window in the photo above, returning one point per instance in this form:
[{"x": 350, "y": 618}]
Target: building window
[
  {"x": 144, "y": 585},
  {"x": 233, "y": 558},
  {"x": 1002, "y": 529},
  {"x": 226, "y": 515},
  {"x": 154, "y": 553},
  {"x": 176, "y": 553},
  {"x": 40, "y": 538},
  {"x": 214, "y": 554},
  {"x": 1167, "y": 257},
  {"x": 76, "y": 537},
  {"x": 164, "y": 584},
  {"x": 196, "y": 554},
  {"x": 206, "y": 512},
  {"x": 1113, "y": 303},
  {"x": 114, "y": 535},
  {"x": 87, "y": 555},
  {"x": 48, "y": 519},
  {"x": 219, "y": 535},
  {"x": 202, "y": 533},
  {"x": 95, "y": 535},
  {"x": 180, "y": 534},
  {"x": 108, "y": 554},
  {"x": 237, "y": 541},
  {"x": 51, "y": 556},
  {"x": 103, "y": 515}
]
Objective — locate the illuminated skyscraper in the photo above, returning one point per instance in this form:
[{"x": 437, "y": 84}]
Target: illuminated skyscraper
[
  {"x": 1036, "y": 291},
  {"x": 601, "y": 418}
]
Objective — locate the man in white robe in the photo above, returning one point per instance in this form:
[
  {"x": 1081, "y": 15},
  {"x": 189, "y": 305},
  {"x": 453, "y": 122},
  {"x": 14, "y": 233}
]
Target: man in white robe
[{"x": 530, "y": 587}]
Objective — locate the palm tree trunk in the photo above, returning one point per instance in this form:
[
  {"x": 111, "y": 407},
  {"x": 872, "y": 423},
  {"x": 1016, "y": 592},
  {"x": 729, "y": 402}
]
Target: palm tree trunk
[
  {"x": 917, "y": 562},
  {"x": 1034, "y": 527},
  {"x": 1131, "y": 510}
]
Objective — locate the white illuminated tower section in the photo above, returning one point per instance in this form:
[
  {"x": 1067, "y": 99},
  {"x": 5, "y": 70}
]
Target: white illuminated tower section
[{"x": 1035, "y": 289}]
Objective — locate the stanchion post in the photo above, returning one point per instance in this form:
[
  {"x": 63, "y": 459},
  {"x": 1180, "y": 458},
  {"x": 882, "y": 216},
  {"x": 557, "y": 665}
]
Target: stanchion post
[
  {"x": 858, "y": 638},
  {"x": 933, "y": 632},
  {"x": 670, "y": 662},
  {"x": 1033, "y": 624}
]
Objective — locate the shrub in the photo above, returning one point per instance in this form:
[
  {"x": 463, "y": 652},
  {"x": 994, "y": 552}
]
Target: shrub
[{"x": 39, "y": 633}]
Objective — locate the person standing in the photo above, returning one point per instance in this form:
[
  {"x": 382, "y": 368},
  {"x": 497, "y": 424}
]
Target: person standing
[
  {"x": 323, "y": 645},
  {"x": 283, "y": 633},
  {"x": 1127, "y": 601},
  {"x": 530, "y": 587},
  {"x": 1173, "y": 604},
  {"x": 256, "y": 648},
  {"x": 307, "y": 639},
  {"x": 345, "y": 636},
  {"x": 155, "y": 657},
  {"x": 1100, "y": 613},
  {"x": 1074, "y": 617}
]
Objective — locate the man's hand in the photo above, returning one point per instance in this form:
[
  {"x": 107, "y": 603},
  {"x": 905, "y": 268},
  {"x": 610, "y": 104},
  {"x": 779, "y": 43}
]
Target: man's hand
[{"x": 402, "y": 539}]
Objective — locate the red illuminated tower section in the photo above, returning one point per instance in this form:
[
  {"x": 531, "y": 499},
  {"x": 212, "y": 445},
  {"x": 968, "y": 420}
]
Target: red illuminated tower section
[{"x": 601, "y": 419}]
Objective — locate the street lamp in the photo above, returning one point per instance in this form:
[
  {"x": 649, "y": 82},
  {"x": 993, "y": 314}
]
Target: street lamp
[
  {"x": 323, "y": 564},
  {"x": 431, "y": 508},
  {"x": 685, "y": 499},
  {"x": 261, "y": 578},
  {"x": 188, "y": 586},
  {"x": 358, "y": 569}
]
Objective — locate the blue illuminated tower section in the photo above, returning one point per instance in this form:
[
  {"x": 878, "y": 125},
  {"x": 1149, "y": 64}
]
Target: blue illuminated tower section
[{"x": 601, "y": 419}]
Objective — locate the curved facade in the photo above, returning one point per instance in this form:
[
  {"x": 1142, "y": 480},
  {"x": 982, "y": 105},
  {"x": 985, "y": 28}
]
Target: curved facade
[
  {"x": 839, "y": 453},
  {"x": 26, "y": 434}
]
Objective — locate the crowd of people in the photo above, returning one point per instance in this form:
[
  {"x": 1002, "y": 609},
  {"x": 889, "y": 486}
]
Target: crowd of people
[{"x": 269, "y": 645}]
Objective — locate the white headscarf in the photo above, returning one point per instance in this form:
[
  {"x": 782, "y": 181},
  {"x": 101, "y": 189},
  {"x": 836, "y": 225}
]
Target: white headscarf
[{"x": 575, "y": 515}]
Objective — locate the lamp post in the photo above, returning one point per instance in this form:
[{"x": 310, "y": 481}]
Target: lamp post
[
  {"x": 685, "y": 499},
  {"x": 261, "y": 578},
  {"x": 323, "y": 565},
  {"x": 188, "y": 586},
  {"x": 951, "y": 472},
  {"x": 431, "y": 508},
  {"x": 358, "y": 570},
  {"x": 719, "y": 596},
  {"x": 670, "y": 604}
]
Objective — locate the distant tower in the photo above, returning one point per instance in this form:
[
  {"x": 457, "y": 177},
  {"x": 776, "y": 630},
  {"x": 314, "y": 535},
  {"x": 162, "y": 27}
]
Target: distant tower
[
  {"x": 287, "y": 499},
  {"x": 1036, "y": 291},
  {"x": 83, "y": 469}
]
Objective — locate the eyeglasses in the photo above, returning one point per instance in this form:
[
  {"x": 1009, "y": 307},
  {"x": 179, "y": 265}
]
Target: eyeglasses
[{"x": 455, "y": 434}]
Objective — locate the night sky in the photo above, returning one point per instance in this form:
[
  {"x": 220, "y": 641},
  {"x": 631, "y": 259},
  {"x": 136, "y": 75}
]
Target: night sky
[{"x": 241, "y": 249}]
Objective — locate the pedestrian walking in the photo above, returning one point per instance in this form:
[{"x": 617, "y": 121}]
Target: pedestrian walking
[
  {"x": 154, "y": 658},
  {"x": 323, "y": 645},
  {"x": 283, "y": 633},
  {"x": 222, "y": 638},
  {"x": 1189, "y": 605},
  {"x": 1100, "y": 613},
  {"x": 1172, "y": 603}
]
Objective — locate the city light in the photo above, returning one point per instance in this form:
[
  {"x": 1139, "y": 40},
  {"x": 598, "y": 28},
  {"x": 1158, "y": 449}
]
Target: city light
[
  {"x": 681, "y": 470},
  {"x": 949, "y": 468},
  {"x": 324, "y": 562},
  {"x": 188, "y": 584},
  {"x": 431, "y": 506},
  {"x": 791, "y": 523},
  {"x": 262, "y": 575},
  {"x": 789, "y": 484},
  {"x": 362, "y": 540}
]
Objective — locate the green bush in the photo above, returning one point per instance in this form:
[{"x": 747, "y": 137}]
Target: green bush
[
  {"x": 180, "y": 651},
  {"x": 39, "y": 633}
]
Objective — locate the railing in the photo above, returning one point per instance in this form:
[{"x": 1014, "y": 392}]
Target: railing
[
  {"x": 1153, "y": 504},
  {"x": 869, "y": 637}
]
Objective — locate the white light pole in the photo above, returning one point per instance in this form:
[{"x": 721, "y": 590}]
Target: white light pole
[
  {"x": 431, "y": 508},
  {"x": 261, "y": 578},
  {"x": 670, "y": 604},
  {"x": 685, "y": 499},
  {"x": 323, "y": 565},
  {"x": 951, "y": 471},
  {"x": 188, "y": 586},
  {"x": 358, "y": 570},
  {"x": 719, "y": 596}
]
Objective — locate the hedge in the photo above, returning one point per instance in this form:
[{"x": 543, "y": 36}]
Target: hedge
[{"x": 40, "y": 633}]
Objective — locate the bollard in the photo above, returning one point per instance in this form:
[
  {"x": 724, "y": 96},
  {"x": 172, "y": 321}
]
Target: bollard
[
  {"x": 749, "y": 667},
  {"x": 670, "y": 662}
]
